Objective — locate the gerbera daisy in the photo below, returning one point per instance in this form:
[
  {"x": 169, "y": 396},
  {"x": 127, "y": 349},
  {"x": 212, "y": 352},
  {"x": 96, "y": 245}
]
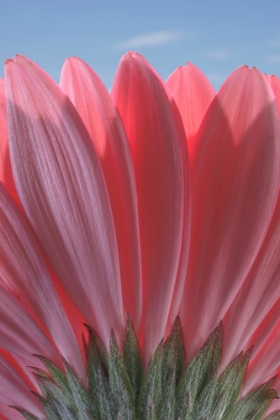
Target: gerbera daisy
[{"x": 140, "y": 244}]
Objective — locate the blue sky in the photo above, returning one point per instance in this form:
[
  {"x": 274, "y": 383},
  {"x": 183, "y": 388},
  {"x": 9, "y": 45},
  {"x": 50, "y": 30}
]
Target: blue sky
[{"x": 216, "y": 35}]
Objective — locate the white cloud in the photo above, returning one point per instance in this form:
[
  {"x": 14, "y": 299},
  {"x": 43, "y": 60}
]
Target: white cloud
[
  {"x": 152, "y": 39},
  {"x": 218, "y": 54},
  {"x": 274, "y": 43},
  {"x": 215, "y": 78},
  {"x": 273, "y": 58}
]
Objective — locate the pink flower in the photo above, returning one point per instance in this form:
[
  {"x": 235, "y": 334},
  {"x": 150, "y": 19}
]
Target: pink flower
[{"x": 114, "y": 211}]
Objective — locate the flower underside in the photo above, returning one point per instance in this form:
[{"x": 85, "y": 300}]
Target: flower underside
[{"x": 119, "y": 388}]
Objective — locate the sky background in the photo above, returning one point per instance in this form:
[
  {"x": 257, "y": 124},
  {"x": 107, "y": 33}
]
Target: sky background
[{"x": 216, "y": 35}]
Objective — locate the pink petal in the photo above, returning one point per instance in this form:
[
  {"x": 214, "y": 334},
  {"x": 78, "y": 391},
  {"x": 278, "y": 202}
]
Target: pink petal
[
  {"x": 235, "y": 184},
  {"x": 275, "y": 405},
  {"x": 193, "y": 94},
  {"x": 19, "y": 333},
  {"x": 275, "y": 84},
  {"x": 265, "y": 357},
  {"x": 160, "y": 179},
  {"x": 8, "y": 413},
  {"x": 14, "y": 390},
  {"x": 6, "y": 176},
  {"x": 265, "y": 363},
  {"x": 104, "y": 125},
  {"x": 62, "y": 190},
  {"x": 183, "y": 260},
  {"x": 24, "y": 272},
  {"x": 257, "y": 295}
]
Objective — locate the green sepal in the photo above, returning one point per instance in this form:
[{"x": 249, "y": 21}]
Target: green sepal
[
  {"x": 51, "y": 407},
  {"x": 228, "y": 386},
  {"x": 168, "y": 407},
  {"x": 150, "y": 412},
  {"x": 172, "y": 366},
  {"x": 38, "y": 371},
  {"x": 50, "y": 390},
  {"x": 25, "y": 414},
  {"x": 218, "y": 409},
  {"x": 211, "y": 355},
  {"x": 80, "y": 397},
  {"x": 231, "y": 381},
  {"x": 132, "y": 357},
  {"x": 204, "y": 366},
  {"x": 150, "y": 397},
  {"x": 55, "y": 409},
  {"x": 95, "y": 341},
  {"x": 57, "y": 374},
  {"x": 221, "y": 393},
  {"x": 253, "y": 406},
  {"x": 64, "y": 395},
  {"x": 174, "y": 354},
  {"x": 203, "y": 406},
  {"x": 119, "y": 382},
  {"x": 97, "y": 361}
]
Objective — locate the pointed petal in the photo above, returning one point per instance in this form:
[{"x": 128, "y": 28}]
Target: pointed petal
[
  {"x": 62, "y": 190},
  {"x": 14, "y": 390},
  {"x": 19, "y": 333},
  {"x": 186, "y": 229},
  {"x": 275, "y": 405},
  {"x": 275, "y": 84},
  {"x": 265, "y": 362},
  {"x": 24, "y": 272},
  {"x": 193, "y": 94},
  {"x": 235, "y": 184},
  {"x": 6, "y": 176},
  {"x": 265, "y": 358},
  {"x": 8, "y": 413},
  {"x": 101, "y": 118},
  {"x": 257, "y": 295},
  {"x": 158, "y": 164}
]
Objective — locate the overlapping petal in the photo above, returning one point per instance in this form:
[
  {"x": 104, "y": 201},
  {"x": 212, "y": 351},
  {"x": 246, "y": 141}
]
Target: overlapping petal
[
  {"x": 186, "y": 228},
  {"x": 15, "y": 390},
  {"x": 62, "y": 190},
  {"x": 257, "y": 295},
  {"x": 20, "y": 335},
  {"x": 24, "y": 273},
  {"x": 235, "y": 185},
  {"x": 265, "y": 363},
  {"x": 9, "y": 413},
  {"x": 160, "y": 180},
  {"x": 275, "y": 84},
  {"x": 100, "y": 116},
  {"x": 193, "y": 94}
]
